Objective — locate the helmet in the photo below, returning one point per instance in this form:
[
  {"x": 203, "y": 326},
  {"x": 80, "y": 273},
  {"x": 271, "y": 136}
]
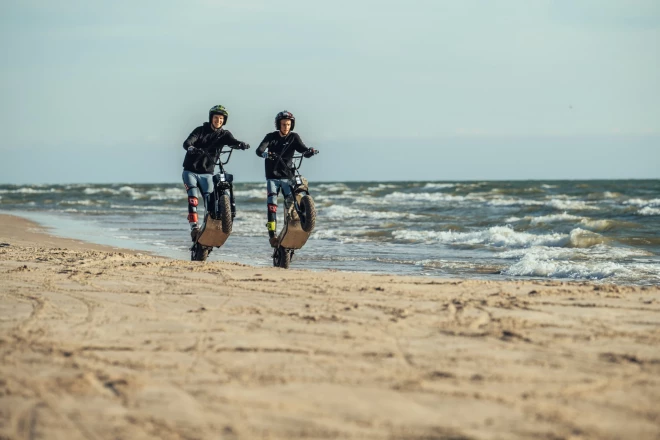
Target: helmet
[
  {"x": 284, "y": 114},
  {"x": 219, "y": 110}
]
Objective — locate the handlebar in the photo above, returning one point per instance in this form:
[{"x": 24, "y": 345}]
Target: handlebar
[{"x": 219, "y": 161}]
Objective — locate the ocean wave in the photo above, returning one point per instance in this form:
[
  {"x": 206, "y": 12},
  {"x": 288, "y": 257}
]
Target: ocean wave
[
  {"x": 84, "y": 202},
  {"x": 92, "y": 191},
  {"x": 439, "y": 185},
  {"x": 498, "y": 201},
  {"x": 576, "y": 205},
  {"x": 503, "y": 237},
  {"x": 382, "y": 186},
  {"x": 643, "y": 202},
  {"x": 166, "y": 194},
  {"x": 542, "y": 266},
  {"x": 28, "y": 190},
  {"x": 332, "y": 187},
  {"x": 252, "y": 194},
  {"x": 552, "y": 218},
  {"x": 496, "y": 236},
  {"x": 423, "y": 197},
  {"x": 647, "y": 210},
  {"x": 531, "y": 266},
  {"x": 344, "y": 212},
  {"x": 597, "y": 252}
]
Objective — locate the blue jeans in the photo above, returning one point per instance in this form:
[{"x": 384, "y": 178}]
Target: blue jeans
[
  {"x": 273, "y": 187},
  {"x": 193, "y": 183}
]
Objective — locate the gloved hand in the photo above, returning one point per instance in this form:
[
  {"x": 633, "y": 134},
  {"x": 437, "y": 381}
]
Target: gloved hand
[
  {"x": 192, "y": 150},
  {"x": 271, "y": 156},
  {"x": 243, "y": 146},
  {"x": 311, "y": 152}
]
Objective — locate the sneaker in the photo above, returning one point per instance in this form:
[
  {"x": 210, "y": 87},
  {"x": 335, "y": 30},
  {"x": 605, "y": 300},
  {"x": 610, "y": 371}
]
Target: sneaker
[
  {"x": 194, "y": 233},
  {"x": 274, "y": 242}
]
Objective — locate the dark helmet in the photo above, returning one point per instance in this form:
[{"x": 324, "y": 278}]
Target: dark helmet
[
  {"x": 219, "y": 110},
  {"x": 284, "y": 114}
]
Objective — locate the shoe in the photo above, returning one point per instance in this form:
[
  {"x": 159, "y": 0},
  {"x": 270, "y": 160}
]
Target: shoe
[
  {"x": 274, "y": 242},
  {"x": 194, "y": 233}
]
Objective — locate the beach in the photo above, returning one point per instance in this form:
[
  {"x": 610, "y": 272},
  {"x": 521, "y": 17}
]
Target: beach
[{"x": 105, "y": 343}]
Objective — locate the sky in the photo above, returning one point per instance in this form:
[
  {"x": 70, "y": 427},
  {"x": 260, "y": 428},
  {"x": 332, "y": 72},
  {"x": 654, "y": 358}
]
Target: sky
[{"x": 98, "y": 91}]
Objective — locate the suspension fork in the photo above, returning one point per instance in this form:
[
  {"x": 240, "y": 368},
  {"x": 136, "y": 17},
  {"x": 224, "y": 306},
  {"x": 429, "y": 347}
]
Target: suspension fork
[{"x": 231, "y": 200}]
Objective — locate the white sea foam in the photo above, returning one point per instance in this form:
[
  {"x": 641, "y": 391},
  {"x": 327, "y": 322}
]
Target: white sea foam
[
  {"x": 400, "y": 197},
  {"x": 597, "y": 225},
  {"x": 497, "y": 236},
  {"x": 84, "y": 202},
  {"x": 23, "y": 190},
  {"x": 252, "y": 194},
  {"x": 332, "y": 187},
  {"x": 598, "y": 252},
  {"x": 552, "y": 218},
  {"x": 382, "y": 186},
  {"x": 647, "y": 210},
  {"x": 546, "y": 186},
  {"x": 501, "y": 201},
  {"x": 529, "y": 265},
  {"x": 129, "y": 191},
  {"x": 439, "y": 185},
  {"x": 373, "y": 201},
  {"x": 92, "y": 191},
  {"x": 167, "y": 194},
  {"x": 513, "y": 219},
  {"x": 643, "y": 202},
  {"x": 578, "y": 205},
  {"x": 344, "y": 212}
]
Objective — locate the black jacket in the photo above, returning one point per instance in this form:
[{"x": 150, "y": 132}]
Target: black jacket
[
  {"x": 209, "y": 140},
  {"x": 284, "y": 146}
]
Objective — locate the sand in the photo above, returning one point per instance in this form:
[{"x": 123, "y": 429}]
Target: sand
[{"x": 98, "y": 343}]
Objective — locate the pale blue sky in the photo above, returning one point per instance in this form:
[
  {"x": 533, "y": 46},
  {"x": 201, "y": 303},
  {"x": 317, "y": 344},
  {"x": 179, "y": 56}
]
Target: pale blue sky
[{"x": 97, "y": 91}]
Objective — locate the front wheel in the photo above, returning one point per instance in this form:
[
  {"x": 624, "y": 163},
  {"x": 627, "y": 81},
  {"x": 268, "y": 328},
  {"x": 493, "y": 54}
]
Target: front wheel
[
  {"x": 224, "y": 210},
  {"x": 281, "y": 258},
  {"x": 307, "y": 213},
  {"x": 199, "y": 252}
]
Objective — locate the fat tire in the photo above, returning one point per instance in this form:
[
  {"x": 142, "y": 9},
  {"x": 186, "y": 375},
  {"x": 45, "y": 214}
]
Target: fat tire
[
  {"x": 307, "y": 213},
  {"x": 281, "y": 258},
  {"x": 199, "y": 252},
  {"x": 224, "y": 209}
]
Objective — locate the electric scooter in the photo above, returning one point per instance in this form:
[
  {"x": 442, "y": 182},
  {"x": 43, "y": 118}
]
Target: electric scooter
[
  {"x": 299, "y": 218},
  {"x": 220, "y": 211}
]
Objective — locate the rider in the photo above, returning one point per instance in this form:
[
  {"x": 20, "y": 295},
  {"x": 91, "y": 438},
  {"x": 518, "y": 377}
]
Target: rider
[
  {"x": 198, "y": 167},
  {"x": 282, "y": 143}
]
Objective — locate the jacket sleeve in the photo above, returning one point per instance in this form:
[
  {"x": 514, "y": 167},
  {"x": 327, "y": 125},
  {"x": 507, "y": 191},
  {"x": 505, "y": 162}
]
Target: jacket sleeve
[
  {"x": 263, "y": 145},
  {"x": 300, "y": 146},
  {"x": 230, "y": 140},
  {"x": 192, "y": 139}
]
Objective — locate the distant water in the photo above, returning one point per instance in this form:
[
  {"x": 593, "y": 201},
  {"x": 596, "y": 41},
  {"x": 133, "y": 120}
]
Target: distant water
[{"x": 562, "y": 230}]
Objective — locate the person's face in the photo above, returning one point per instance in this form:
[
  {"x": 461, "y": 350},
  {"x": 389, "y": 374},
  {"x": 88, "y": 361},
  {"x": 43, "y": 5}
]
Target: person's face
[
  {"x": 217, "y": 121},
  {"x": 285, "y": 126}
]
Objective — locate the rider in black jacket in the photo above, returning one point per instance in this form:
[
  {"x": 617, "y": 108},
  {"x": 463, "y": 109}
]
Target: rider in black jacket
[
  {"x": 203, "y": 148},
  {"x": 282, "y": 143}
]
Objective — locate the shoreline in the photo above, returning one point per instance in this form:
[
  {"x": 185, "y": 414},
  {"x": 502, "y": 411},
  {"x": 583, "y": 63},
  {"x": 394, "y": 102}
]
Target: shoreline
[{"x": 99, "y": 342}]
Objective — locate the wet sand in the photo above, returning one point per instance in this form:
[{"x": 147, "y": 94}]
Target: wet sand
[{"x": 98, "y": 343}]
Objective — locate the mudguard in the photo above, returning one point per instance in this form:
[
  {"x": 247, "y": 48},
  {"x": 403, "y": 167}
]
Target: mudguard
[
  {"x": 292, "y": 235},
  {"x": 212, "y": 234}
]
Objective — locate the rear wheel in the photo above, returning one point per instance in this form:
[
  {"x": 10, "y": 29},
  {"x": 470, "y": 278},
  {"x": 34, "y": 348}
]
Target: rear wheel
[
  {"x": 199, "y": 252},
  {"x": 225, "y": 213},
  {"x": 281, "y": 258},
  {"x": 307, "y": 213}
]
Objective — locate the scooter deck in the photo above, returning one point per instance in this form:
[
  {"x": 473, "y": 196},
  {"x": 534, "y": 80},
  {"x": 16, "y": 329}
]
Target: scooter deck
[{"x": 212, "y": 234}]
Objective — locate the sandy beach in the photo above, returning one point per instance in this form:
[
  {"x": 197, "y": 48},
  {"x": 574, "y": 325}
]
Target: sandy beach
[{"x": 100, "y": 343}]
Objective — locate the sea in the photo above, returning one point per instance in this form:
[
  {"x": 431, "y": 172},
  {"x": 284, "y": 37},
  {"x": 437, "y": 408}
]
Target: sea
[{"x": 605, "y": 231}]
